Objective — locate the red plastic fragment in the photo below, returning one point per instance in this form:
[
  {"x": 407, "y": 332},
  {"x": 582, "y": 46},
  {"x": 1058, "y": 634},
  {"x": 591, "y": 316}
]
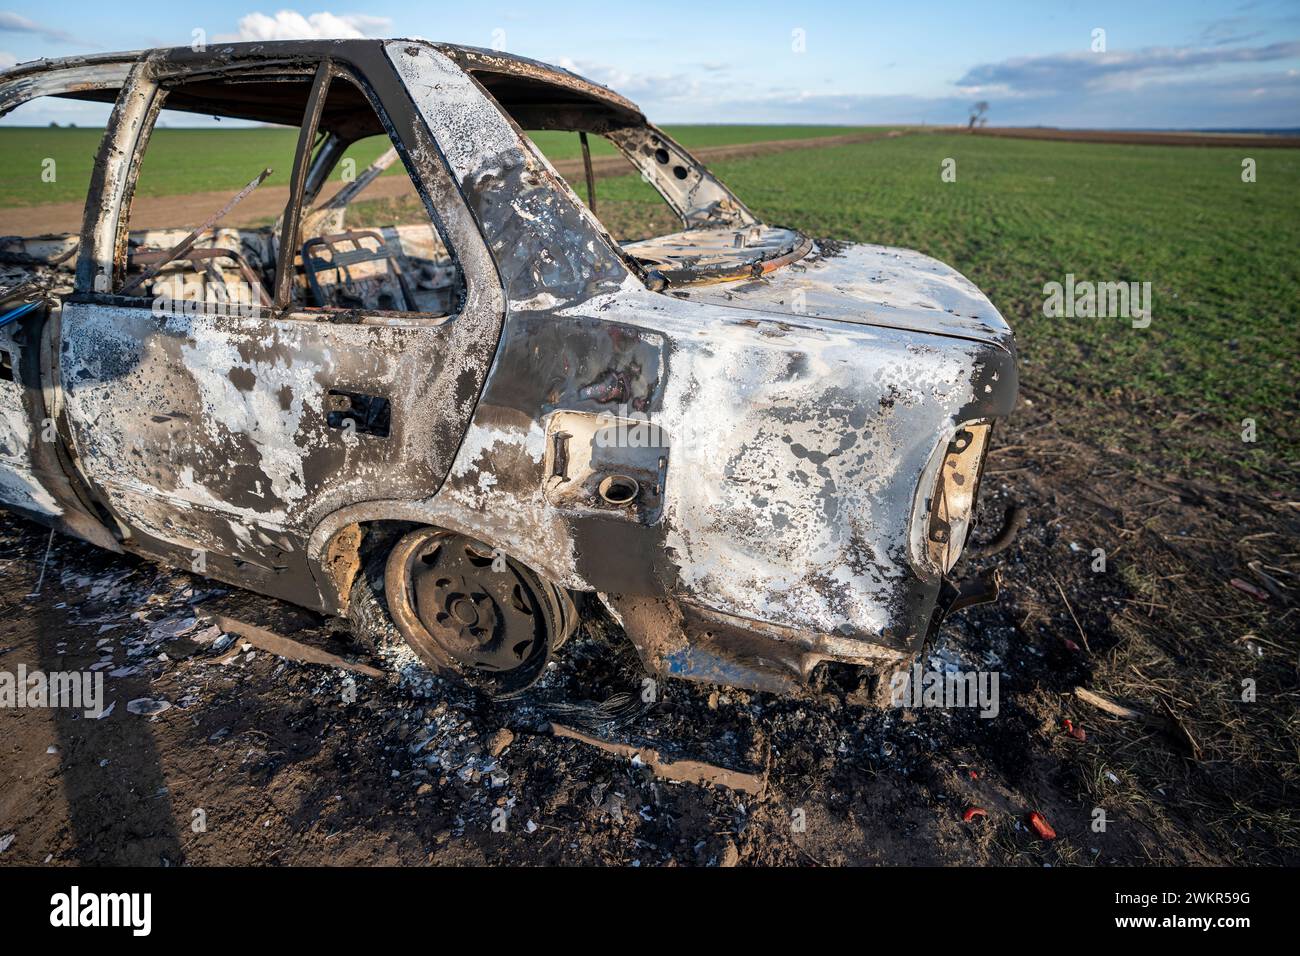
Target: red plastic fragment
[
  {"x": 1041, "y": 826},
  {"x": 973, "y": 812}
]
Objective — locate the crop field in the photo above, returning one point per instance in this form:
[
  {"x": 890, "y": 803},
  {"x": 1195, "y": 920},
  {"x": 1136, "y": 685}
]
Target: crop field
[
  {"x": 1169, "y": 447},
  {"x": 199, "y": 160},
  {"x": 1219, "y": 254}
]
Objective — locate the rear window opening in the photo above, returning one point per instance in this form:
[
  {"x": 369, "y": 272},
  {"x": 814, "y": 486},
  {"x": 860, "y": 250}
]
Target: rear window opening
[
  {"x": 629, "y": 207},
  {"x": 662, "y": 208}
]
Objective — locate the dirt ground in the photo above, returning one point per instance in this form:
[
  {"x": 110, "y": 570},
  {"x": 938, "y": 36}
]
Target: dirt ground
[
  {"x": 1142, "y": 137},
  {"x": 258, "y": 760}
]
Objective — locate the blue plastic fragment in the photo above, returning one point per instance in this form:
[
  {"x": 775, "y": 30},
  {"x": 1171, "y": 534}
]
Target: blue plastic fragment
[{"x": 17, "y": 313}]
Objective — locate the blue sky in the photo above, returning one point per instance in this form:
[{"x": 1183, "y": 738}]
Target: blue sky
[{"x": 1194, "y": 63}]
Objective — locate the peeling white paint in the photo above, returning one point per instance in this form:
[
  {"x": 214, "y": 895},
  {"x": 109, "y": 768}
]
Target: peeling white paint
[
  {"x": 18, "y": 482},
  {"x": 257, "y": 412},
  {"x": 470, "y": 128},
  {"x": 875, "y": 285},
  {"x": 795, "y": 457}
]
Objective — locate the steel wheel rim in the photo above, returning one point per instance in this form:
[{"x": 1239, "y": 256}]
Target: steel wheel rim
[{"x": 472, "y": 613}]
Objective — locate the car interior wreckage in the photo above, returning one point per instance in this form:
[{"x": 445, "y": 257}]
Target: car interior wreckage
[{"x": 759, "y": 450}]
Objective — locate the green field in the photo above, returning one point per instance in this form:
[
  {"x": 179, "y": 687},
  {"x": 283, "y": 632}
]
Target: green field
[
  {"x": 1220, "y": 254},
  {"x": 200, "y": 160}
]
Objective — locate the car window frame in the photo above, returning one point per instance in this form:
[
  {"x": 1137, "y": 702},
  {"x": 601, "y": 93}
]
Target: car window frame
[
  {"x": 105, "y": 230},
  {"x": 305, "y": 159}
]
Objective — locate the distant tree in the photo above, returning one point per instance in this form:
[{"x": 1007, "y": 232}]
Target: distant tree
[
  {"x": 53, "y": 125},
  {"x": 977, "y": 114}
]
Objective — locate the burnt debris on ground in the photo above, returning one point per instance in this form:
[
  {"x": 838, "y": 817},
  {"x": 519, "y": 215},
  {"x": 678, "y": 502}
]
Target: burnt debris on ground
[{"x": 261, "y": 760}]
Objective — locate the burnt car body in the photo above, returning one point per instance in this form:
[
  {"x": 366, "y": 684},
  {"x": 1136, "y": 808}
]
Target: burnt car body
[{"x": 759, "y": 449}]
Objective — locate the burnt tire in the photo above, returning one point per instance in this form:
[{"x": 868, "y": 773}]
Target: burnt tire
[{"x": 368, "y": 608}]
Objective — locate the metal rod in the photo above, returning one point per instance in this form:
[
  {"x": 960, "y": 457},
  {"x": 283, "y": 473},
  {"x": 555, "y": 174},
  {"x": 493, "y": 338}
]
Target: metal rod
[
  {"x": 187, "y": 243},
  {"x": 284, "y": 274},
  {"x": 591, "y": 179}
]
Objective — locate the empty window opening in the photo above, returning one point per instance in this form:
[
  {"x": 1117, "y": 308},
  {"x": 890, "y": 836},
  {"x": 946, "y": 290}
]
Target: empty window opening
[{"x": 364, "y": 243}]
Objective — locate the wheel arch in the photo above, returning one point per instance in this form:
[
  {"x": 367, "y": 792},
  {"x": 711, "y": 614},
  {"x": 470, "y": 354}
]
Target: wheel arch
[{"x": 337, "y": 547}]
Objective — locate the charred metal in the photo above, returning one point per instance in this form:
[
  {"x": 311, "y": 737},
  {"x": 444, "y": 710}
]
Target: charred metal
[{"x": 754, "y": 447}]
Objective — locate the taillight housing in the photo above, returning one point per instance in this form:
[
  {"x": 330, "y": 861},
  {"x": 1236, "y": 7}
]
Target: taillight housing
[{"x": 946, "y": 510}]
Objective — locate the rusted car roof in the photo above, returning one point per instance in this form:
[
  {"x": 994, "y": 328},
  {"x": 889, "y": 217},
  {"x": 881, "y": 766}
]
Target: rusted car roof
[{"x": 516, "y": 77}]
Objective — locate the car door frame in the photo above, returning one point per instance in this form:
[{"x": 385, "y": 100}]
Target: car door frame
[
  {"x": 33, "y": 338},
  {"x": 468, "y": 339}
]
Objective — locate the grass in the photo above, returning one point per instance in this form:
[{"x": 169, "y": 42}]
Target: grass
[
  {"x": 1219, "y": 254},
  {"x": 182, "y": 161},
  {"x": 1222, "y": 345}
]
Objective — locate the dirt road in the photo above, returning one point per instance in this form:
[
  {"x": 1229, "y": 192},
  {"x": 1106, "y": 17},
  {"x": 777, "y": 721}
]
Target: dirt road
[
  {"x": 1142, "y": 138},
  {"x": 148, "y": 212}
]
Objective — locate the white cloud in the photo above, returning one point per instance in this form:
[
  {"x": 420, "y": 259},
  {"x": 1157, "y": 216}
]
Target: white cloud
[
  {"x": 7, "y": 59},
  {"x": 658, "y": 86},
  {"x": 292, "y": 25},
  {"x": 13, "y": 23},
  {"x": 1100, "y": 72}
]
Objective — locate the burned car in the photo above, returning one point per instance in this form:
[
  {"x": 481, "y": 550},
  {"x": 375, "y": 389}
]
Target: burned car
[{"x": 761, "y": 451}]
